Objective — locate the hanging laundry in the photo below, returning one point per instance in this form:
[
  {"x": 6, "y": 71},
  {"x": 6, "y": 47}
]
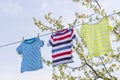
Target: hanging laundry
[
  {"x": 61, "y": 43},
  {"x": 30, "y": 50},
  {"x": 97, "y": 37}
]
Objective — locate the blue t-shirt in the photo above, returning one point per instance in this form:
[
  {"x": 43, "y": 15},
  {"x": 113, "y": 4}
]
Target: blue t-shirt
[{"x": 30, "y": 50}]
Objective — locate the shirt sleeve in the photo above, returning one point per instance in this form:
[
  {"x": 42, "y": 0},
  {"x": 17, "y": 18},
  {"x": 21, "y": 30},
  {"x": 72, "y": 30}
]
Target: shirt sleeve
[
  {"x": 109, "y": 25},
  {"x": 50, "y": 42},
  {"x": 74, "y": 36},
  {"x": 82, "y": 32},
  {"x": 40, "y": 43},
  {"x": 19, "y": 49},
  {"x": 110, "y": 28}
]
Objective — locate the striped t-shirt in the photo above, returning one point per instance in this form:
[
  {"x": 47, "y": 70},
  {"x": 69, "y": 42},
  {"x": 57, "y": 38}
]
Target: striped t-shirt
[
  {"x": 97, "y": 37},
  {"x": 61, "y": 43}
]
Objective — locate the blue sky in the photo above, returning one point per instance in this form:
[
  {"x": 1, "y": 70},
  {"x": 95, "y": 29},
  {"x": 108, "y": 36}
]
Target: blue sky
[{"x": 16, "y": 22}]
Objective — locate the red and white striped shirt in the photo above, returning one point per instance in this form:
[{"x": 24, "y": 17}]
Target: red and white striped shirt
[{"x": 61, "y": 43}]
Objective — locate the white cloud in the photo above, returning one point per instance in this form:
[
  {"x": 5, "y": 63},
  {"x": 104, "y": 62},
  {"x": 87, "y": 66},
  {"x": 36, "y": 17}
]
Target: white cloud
[{"x": 10, "y": 8}]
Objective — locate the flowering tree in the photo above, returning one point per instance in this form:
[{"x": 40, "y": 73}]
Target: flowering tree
[{"x": 96, "y": 68}]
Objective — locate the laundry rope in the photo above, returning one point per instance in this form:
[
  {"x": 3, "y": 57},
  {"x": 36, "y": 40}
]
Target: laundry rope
[{"x": 51, "y": 33}]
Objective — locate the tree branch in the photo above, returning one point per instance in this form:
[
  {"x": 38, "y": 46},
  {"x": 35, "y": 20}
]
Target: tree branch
[
  {"x": 98, "y": 4},
  {"x": 92, "y": 68},
  {"x": 106, "y": 68}
]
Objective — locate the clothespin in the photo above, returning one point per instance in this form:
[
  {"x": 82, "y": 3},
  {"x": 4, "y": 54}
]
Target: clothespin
[
  {"x": 23, "y": 38},
  {"x": 38, "y": 35}
]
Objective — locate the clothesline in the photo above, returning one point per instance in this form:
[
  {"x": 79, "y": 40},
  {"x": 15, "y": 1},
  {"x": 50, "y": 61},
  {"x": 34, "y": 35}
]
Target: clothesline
[{"x": 50, "y": 32}]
